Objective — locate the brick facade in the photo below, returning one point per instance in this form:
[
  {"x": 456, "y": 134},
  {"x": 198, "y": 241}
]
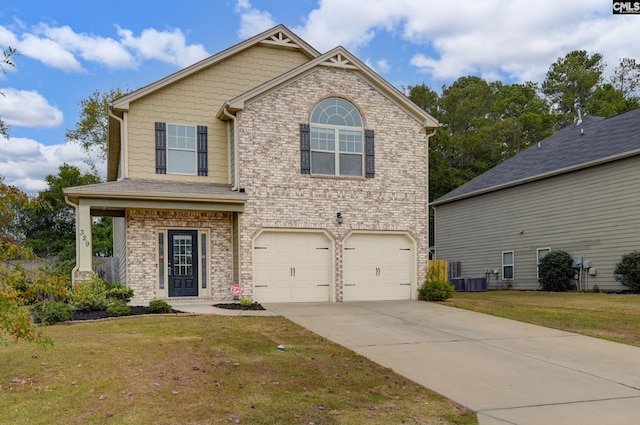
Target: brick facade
[
  {"x": 142, "y": 250},
  {"x": 281, "y": 197}
]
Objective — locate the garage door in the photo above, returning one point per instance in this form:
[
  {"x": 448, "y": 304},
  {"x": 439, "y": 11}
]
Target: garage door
[
  {"x": 291, "y": 267},
  {"x": 378, "y": 267}
]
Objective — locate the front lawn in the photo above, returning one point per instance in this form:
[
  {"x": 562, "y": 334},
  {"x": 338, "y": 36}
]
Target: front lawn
[
  {"x": 205, "y": 370},
  {"x": 610, "y": 316}
]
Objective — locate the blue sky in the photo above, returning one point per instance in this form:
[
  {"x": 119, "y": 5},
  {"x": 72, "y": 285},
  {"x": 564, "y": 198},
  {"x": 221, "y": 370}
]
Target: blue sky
[{"x": 68, "y": 49}]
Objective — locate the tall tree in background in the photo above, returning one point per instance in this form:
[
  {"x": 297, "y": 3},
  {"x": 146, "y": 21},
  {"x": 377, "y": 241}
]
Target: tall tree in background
[
  {"x": 50, "y": 227},
  {"x": 571, "y": 82},
  {"x": 92, "y": 130},
  {"x": 626, "y": 78},
  {"x": 6, "y": 61}
]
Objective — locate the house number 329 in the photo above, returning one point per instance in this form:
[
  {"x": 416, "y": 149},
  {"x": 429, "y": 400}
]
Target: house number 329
[{"x": 83, "y": 234}]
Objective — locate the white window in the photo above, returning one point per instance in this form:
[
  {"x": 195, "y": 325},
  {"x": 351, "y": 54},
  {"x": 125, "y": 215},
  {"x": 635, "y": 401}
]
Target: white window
[
  {"x": 540, "y": 255},
  {"x": 337, "y": 142},
  {"x": 181, "y": 149},
  {"x": 507, "y": 265}
]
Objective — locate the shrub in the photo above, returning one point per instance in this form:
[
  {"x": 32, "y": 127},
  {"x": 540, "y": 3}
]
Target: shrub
[
  {"x": 118, "y": 308},
  {"x": 159, "y": 306},
  {"x": 596, "y": 289},
  {"x": 50, "y": 312},
  {"x": 555, "y": 272},
  {"x": 246, "y": 302},
  {"x": 627, "y": 271},
  {"x": 437, "y": 290},
  {"x": 118, "y": 292},
  {"x": 90, "y": 294}
]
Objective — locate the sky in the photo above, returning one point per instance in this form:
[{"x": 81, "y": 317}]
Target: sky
[{"x": 68, "y": 49}]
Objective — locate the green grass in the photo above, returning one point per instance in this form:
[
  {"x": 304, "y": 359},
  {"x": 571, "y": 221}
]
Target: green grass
[
  {"x": 205, "y": 370},
  {"x": 615, "y": 317}
]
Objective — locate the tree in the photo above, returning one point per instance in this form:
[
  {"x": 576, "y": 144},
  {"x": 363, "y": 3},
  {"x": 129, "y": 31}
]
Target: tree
[
  {"x": 607, "y": 101},
  {"x": 6, "y": 61},
  {"x": 626, "y": 78},
  {"x": 570, "y": 83},
  {"x": 50, "y": 227},
  {"x": 92, "y": 131},
  {"x": 13, "y": 203}
]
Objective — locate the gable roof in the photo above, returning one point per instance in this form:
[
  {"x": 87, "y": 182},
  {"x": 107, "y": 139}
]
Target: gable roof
[
  {"x": 594, "y": 141},
  {"x": 341, "y": 58},
  {"x": 279, "y": 36}
]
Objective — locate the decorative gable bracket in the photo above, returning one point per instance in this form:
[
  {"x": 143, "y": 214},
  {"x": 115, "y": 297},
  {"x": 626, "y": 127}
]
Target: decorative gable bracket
[
  {"x": 339, "y": 61},
  {"x": 280, "y": 39}
]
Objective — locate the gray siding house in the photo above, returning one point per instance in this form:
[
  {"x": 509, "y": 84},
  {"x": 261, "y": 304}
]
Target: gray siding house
[{"x": 576, "y": 191}]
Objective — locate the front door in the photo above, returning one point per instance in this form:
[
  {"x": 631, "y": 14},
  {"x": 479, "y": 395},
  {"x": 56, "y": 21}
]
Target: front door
[{"x": 183, "y": 263}]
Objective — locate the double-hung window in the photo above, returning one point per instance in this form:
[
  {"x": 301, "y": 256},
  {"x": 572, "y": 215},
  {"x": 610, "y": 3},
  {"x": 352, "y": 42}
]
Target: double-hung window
[
  {"x": 337, "y": 139},
  {"x": 181, "y": 149},
  {"x": 507, "y": 265}
]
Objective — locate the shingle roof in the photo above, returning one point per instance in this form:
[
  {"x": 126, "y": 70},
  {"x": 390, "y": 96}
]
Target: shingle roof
[
  {"x": 594, "y": 141},
  {"x": 156, "y": 189}
]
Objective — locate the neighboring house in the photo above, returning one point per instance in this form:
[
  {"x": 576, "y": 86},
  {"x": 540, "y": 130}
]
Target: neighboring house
[
  {"x": 299, "y": 176},
  {"x": 576, "y": 191}
]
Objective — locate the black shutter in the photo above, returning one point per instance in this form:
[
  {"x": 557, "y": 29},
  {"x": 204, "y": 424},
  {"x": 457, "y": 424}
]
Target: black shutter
[
  {"x": 203, "y": 169},
  {"x": 369, "y": 159},
  {"x": 305, "y": 148},
  {"x": 161, "y": 148}
]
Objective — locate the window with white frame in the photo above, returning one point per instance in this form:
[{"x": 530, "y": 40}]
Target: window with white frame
[
  {"x": 541, "y": 253},
  {"x": 507, "y": 265},
  {"x": 181, "y": 149},
  {"x": 337, "y": 142}
]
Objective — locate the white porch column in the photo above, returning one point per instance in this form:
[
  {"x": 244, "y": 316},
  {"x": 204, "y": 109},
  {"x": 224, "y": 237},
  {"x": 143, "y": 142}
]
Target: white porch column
[{"x": 83, "y": 239}]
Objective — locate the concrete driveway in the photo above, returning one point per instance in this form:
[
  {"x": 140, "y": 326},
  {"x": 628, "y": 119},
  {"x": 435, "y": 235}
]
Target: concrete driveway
[{"x": 508, "y": 372}]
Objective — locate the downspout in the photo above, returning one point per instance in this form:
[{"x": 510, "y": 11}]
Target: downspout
[
  {"x": 236, "y": 174},
  {"x": 123, "y": 146},
  {"x": 237, "y": 277}
]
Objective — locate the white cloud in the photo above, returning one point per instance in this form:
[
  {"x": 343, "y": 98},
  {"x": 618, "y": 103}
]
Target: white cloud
[
  {"x": 165, "y": 46},
  {"x": 252, "y": 20},
  {"x": 62, "y": 48},
  {"x": 504, "y": 38},
  {"x": 27, "y": 108},
  {"x": 91, "y": 48},
  {"x": 25, "y": 162}
]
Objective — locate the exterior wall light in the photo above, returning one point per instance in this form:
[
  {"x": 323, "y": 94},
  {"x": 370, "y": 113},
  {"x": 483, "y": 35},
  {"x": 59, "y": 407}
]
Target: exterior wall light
[{"x": 339, "y": 218}]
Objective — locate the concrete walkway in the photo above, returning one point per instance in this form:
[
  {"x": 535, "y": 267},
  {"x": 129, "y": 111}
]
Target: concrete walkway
[{"x": 508, "y": 372}]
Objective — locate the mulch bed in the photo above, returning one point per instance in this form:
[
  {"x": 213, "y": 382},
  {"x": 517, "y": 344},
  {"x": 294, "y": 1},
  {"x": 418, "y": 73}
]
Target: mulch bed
[
  {"x": 238, "y": 306},
  {"x": 102, "y": 314},
  {"x": 138, "y": 310}
]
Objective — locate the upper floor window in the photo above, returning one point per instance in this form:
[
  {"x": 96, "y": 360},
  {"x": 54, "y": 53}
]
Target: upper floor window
[
  {"x": 337, "y": 139},
  {"x": 181, "y": 149}
]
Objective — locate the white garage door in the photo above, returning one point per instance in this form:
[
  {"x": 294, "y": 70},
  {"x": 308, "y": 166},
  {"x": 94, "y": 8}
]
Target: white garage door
[
  {"x": 378, "y": 267},
  {"x": 291, "y": 267}
]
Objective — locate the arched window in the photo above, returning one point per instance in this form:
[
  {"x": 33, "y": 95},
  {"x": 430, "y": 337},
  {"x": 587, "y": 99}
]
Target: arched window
[{"x": 337, "y": 140}]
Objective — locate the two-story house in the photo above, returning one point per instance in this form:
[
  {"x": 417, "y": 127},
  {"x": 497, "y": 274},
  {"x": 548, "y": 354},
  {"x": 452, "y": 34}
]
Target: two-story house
[{"x": 297, "y": 175}]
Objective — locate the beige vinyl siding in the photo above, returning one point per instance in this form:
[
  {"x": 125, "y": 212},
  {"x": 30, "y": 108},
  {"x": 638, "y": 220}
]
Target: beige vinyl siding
[
  {"x": 591, "y": 212},
  {"x": 196, "y": 101}
]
